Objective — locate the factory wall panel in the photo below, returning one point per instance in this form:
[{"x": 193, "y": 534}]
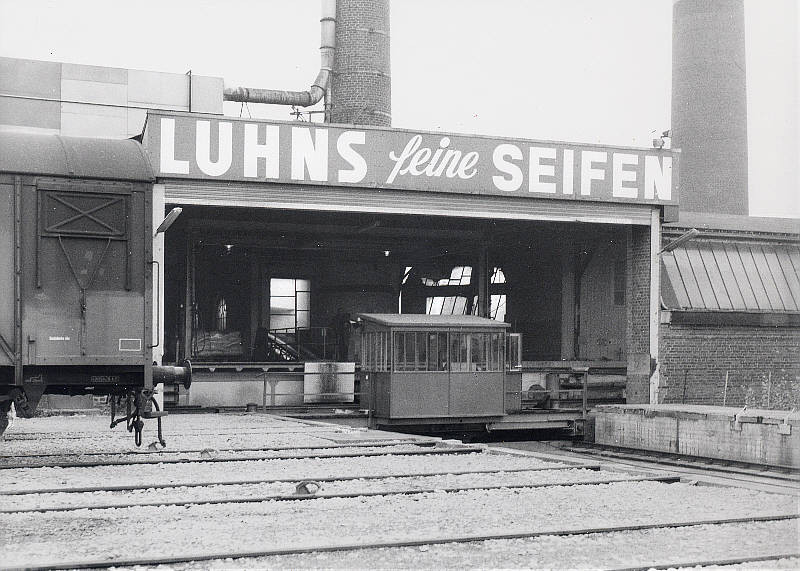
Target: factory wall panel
[
  {"x": 30, "y": 78},
  {"x": 30, "y": 114},
  {"x": 93, "y": 74},
  {"x": 207, "y": 94},
  {"x": 82, "y": 120},
  {"x": 98, "y": 93},
  {"x": 155, "y": 90}
]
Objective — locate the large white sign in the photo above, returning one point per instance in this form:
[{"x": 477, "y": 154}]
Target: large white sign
[{"x": 209, "y": 147}]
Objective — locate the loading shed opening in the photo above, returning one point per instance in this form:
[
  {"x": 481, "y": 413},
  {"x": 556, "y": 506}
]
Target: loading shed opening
[{"x": 279, "y": 248}]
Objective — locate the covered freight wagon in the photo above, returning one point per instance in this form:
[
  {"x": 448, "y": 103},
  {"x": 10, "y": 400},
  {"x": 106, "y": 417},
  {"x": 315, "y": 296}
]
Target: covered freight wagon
[{"x": 76, "y": 235}]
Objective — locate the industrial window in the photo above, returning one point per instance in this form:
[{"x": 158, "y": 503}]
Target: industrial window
[
  {"x": 447, "y": 305},
  {"x": 497, "y": 308},
  {"x": 289, "y": 304},
  {"x": 221, "y": 315},
  {"x": 459, "y": 275},
  {"x": 465, "y": 304}
]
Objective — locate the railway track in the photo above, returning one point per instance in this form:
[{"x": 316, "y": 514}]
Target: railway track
[
  {"x": 156, "y": 486},
  {"x": 323, "y": 495},
  {"x": 788, "y": 473},
  {"x": 161, "y": 453},
  {"x": 408, "y": 505},
  {"x": 427, "y": 542},
  {"x": 124, "y": 436},
  {"x": 170, "y": 452},
  {"x": 697, "y": 469},
  {"x": 163, "y": 458}
]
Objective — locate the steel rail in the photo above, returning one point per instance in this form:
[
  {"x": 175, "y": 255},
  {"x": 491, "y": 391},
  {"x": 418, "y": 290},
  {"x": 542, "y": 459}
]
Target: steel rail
[
  {"x": 37, "y": 436},
  {"x": 697, "y": 468},
  {"x": 346, "y": 495},
  {"x": 153, "y": 460},
  {"x": 791, "y": 473},
  {"x": 362, "y": 444},
  {"x": 712, "y": 562},
  {"x": 123, "y": 488},
  {"x": 467, "y": 538}
]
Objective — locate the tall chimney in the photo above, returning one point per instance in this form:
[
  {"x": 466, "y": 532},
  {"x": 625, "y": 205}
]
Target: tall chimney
[
  {"x": 361, "y": 92},
  {"x": 709, "y": 104}
]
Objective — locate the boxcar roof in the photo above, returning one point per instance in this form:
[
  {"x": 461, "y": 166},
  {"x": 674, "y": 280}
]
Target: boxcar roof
[
  {"x": 81, "y": 157},
  {"x": 434, "y": 321}
]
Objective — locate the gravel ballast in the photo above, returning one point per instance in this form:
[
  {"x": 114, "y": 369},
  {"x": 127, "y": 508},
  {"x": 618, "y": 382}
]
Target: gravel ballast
[
  {"x": 163, "y": 530},
  {"x": 356, "y": 486},
  {"x": 216, "y": 455},
  {"x": 433, "y": 517},
  {"x": 644, "y": 549},
  {"x": 284, "y": 469}
]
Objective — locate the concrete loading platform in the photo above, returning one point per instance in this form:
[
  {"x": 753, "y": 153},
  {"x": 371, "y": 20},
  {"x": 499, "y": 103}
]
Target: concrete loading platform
[{"x": 754, "y": 436}]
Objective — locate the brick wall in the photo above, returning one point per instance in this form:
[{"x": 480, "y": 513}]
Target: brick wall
[
  {"x": 361, "y": 87},
  {"x": 638, "y": 315},
  {"x": 762, "y": 364}
]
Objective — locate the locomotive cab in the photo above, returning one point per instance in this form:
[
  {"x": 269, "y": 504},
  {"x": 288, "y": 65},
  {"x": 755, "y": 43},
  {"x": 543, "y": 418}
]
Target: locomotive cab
[
  {"x": 76, "y": 312},
  {"x": 433, "y": 370}
]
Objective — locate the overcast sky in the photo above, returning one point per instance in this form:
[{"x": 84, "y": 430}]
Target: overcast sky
[{"x": 586, "y": 71}]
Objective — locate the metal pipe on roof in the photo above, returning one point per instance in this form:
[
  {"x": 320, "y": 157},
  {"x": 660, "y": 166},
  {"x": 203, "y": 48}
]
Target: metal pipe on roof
[{"x": 318, "y": 88}]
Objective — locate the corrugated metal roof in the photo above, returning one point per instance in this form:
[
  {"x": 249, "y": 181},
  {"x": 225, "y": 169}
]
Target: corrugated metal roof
[
  {"x": 80, "y": 157},
  {"x": 421, "y": 320},
  {"x": 732, "y": 276}
]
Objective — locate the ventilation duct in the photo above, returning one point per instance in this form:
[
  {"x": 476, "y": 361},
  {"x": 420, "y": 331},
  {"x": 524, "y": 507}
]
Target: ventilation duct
[{"x": 317, "y": 90}]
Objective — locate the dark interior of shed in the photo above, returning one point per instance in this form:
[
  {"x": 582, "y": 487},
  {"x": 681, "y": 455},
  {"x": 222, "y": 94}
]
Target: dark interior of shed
[{"x": 273, "y": 285}]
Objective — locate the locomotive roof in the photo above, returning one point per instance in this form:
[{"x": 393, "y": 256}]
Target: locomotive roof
[
  {"x": 81, "y": 157},
  {"x": 437, "y": 321}
]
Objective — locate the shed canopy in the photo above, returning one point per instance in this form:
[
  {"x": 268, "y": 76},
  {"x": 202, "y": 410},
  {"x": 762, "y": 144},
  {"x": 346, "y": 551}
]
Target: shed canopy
[{"x": 732, "y": 276}]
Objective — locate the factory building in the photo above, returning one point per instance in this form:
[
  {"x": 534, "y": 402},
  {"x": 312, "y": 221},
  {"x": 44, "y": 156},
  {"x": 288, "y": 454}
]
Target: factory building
[
  {"x": 730, "y": 319},
  {"x": 291, "y": 229}
]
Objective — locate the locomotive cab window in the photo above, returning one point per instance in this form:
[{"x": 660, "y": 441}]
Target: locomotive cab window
[
  {"x": 477, "y": 352},
  {"x": 420, "y": 351}
]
